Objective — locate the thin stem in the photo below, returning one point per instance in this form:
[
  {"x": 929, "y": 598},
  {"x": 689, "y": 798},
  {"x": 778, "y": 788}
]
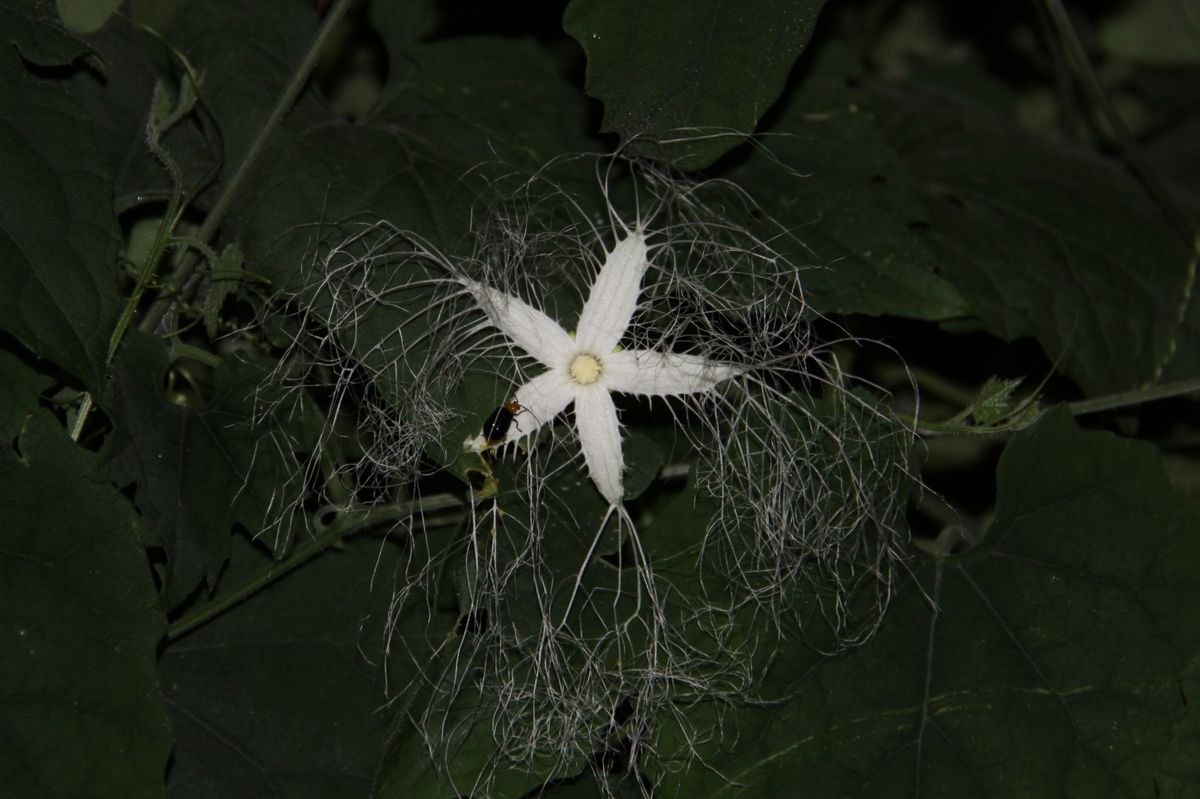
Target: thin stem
[
  {"x": 1133, "y": 154},
  {"x": 1178, "y": 388},
  {"x": 1069, "y": 115},
  {"x": 161, "y": 243},
  {"x": 931, "y": 381},
  {"x": 182, "y": 350},
  {"x": 179, "y": 277},
  {"x": 85, "y": 408},
  {"x": 1019, "y": 421},
  {"x": 347, "y": 524},
  {"x": 952, "y": 428},
  {"x": 154, "y": 130}
]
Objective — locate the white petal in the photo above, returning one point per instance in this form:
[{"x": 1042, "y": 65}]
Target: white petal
[
  {"x": 663, "y": 374},
  {"x": 541, "y": 399},
  {"x": 600, "y": 440},
  {"x": 524, "y": 325},
  {"x": 613, "y": 297}
]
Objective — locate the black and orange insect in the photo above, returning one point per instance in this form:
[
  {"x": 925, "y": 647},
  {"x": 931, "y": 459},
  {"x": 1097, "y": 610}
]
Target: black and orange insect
[{"x": 495, "y": 428}]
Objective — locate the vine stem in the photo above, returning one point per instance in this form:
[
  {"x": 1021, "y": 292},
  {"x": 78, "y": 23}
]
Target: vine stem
[
  {"x": 165, "y": 302},
  {"x": 174, "y": 212},
  {"x": 1125, "y": 399},
  {"x": 188, "y": 259},
  {"x": 1138, "y": 396},
  {"x": 347, "y": 524}
]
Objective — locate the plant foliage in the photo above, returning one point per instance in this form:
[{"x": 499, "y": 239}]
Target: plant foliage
[{"x": 936, "y": 536}]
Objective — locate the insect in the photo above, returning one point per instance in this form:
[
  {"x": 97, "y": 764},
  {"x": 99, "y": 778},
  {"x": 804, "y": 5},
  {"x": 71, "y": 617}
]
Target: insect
[{"x": 496, "y": 427}]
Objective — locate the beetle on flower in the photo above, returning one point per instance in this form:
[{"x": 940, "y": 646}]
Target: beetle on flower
[{"x": 586, "y": 368}]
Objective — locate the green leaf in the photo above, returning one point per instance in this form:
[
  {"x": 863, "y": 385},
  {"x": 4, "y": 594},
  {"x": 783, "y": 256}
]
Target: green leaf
[
  {"x": 1171, "y": 128},
  {"x": 34, "y": 28},
  {"x": 847, "y": 200},
  {"x": 584, "y": 787},
  {"x": 466, "y": 767},
  {"x": 1043, "y": 240},
  {"x": 79, "y": 623},
  {"x": 644, "y": 459},
  {"x": 340, "y": 177},
  {"x": 365, "y": 304},
  {"x": 19, "y": 389},
  {"x": 666, "y": 70},
  {"x": 1058, "y": 645},
  {"x": 58, "y": 234},
  {"x": 995, "y": 401},
  {"x": 501, "y": 95},
  {"x": 183, "y": 460},
  {"x": 224, "y": 280},
  {"x": 281, "y": 695}
]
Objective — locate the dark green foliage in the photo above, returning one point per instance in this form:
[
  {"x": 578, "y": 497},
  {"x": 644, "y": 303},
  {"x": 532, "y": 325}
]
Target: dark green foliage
[
  {"x": 58, "y": 230},
  {"x": 705, "y": 71},
  {"x": 244, "y": 553},
  {"x": 282, "y": 697},
  {"x": 182, "y": 459},
  {"x": 79, "y": 696},
  {"x": 981, "y": 662}
]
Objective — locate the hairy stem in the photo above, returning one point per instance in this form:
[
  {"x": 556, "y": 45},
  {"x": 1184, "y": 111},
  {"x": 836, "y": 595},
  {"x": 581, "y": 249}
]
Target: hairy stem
[{"x": 175, "y": 283}]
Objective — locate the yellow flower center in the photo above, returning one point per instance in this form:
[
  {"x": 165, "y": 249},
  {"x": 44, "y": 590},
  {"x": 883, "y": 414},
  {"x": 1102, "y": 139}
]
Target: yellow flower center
[{"x": 585, "y": 369}]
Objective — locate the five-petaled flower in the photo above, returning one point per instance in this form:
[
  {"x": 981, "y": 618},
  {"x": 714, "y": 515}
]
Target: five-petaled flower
[{"x": 586, "y": 368}]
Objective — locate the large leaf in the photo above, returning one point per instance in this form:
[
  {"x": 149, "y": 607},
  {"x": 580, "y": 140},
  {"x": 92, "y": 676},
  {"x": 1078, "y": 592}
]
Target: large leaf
[
  {"x": 284, "y": 695},
  {"x": 1042, "y": 239},
  {"x": 183, "y": 460},
  {"x": 321, "y": 189},
  {"x": 666, "y": 70},
  {"x": 847, "y": 199},
  {"x": 505, "y": 91},
  {"x": 58, "y": 234},
  {"x": 19, "y": 389},
  {"x": 1045, "y": 663},
  {"x": 35, "y": 31},
  {"x": 466, "y": 766},
  {"x": 414, "y": 166},
  {"x": 80, "y": 710}
]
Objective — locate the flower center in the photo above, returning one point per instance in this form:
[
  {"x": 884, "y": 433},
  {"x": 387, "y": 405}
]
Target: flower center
[{"x": 585, "y": 369}]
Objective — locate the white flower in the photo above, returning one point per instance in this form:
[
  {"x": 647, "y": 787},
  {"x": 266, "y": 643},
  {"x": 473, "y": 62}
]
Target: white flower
[{"x": 586, "y": 368}]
